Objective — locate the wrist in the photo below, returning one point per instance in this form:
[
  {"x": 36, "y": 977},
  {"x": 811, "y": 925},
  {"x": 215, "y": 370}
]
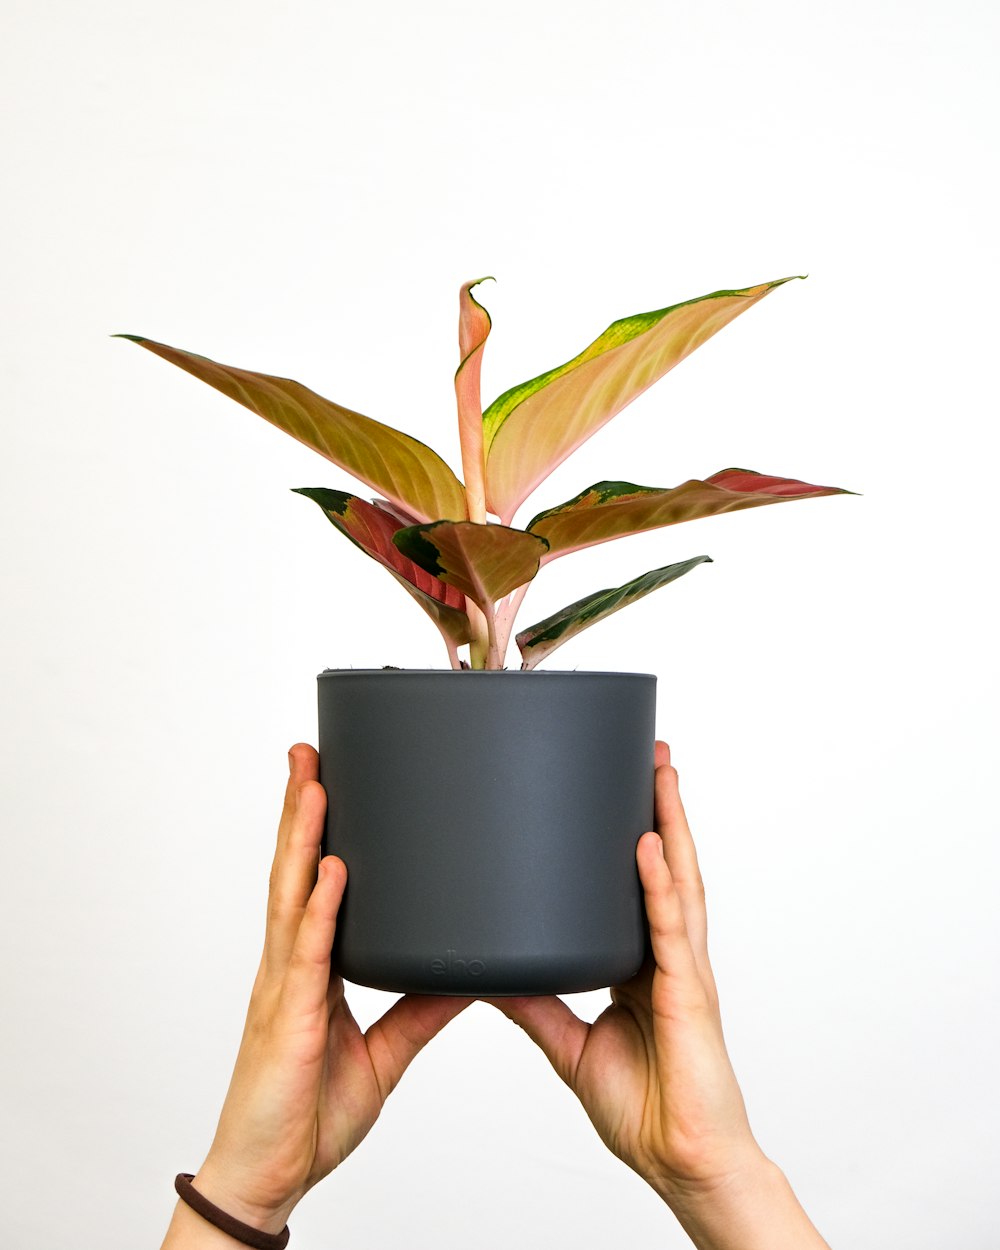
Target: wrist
[
  {"x": 223, "y": 1189},
  {"x": 698, "y": 1177},
  {"x": 749, "y": 1207},
  {"x": 189, "y": 1231}
]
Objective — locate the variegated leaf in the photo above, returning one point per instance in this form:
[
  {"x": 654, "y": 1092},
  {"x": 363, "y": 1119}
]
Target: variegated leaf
[
  {"x": 609, "y": 510},
  {"x": 485, "y": 562},
  {"x": 401, "y": 467},
  {"x": 538, "y": 641},
  {"x": 371, "y": 528},
  {"x": 533, "y": 427}
]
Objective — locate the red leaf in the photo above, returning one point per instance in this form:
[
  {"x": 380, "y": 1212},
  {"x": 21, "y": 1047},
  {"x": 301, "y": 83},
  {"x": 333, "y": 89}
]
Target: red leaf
[{"x": 371, "y": 526}]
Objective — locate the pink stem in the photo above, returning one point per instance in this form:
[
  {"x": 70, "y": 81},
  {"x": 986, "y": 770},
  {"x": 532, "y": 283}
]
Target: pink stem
[{"x": 505, "y": 618}]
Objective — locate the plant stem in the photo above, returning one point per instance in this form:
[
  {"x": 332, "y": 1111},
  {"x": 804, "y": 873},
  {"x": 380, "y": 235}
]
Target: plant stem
[
  {"x": 494, "y": 659},
  {"x": 505, "y": 618},
  {"x": 483, "y": 635}
]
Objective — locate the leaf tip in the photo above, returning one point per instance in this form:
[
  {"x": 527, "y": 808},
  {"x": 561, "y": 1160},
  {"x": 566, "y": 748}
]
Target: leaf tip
[
  {"x": 132, "y": 338},
  {"x": 793, "y": 277},
  {"x": 329, "y": 500},
  {"x": 468, "y": 286}
]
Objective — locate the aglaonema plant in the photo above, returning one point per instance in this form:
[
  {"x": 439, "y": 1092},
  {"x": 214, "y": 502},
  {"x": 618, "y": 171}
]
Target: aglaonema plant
[{"x": 453, "y": 546}]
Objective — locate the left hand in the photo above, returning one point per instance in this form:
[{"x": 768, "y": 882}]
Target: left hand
[
  {"x": 308, "y": 1084},
  {"x": 652, "y": 1071}
]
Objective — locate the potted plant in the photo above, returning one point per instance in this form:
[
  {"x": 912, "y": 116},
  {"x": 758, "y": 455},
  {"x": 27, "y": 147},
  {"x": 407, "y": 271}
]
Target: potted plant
[{"x": 488, "y": 817}]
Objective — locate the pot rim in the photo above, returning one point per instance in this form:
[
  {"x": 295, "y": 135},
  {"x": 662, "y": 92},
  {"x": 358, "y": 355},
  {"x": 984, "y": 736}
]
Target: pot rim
[{"x": 533, "y": 674}]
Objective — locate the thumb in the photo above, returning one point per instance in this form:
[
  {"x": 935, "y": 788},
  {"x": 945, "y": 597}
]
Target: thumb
[{"x": 552, "y": 1026}]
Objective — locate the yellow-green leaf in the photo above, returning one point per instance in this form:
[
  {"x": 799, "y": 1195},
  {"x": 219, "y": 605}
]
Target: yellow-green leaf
[
  {"x": 533, "y": 427},
  {"x": 400, "y": 467}
]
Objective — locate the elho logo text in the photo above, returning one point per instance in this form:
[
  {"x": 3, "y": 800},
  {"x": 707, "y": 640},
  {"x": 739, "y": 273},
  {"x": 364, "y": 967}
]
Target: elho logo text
[{"x": 471, "y": 967}]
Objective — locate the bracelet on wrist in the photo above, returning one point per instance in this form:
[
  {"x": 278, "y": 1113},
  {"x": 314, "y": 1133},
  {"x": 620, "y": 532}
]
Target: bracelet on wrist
[{"x": 244, "y": 1233}]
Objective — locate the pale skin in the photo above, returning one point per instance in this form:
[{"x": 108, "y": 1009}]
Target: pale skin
[{"x": 651, "y": 1072}]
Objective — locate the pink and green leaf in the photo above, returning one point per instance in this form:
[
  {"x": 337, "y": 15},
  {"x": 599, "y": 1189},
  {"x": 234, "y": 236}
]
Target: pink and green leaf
[
  {"x": 398, "y": 466},
  {"x": 485, "y": 562},
  {"x": 371, "y": 528},
  {"x": 540, "y": 640},
  {"x": 534, "y": 426},
  {"x": 609, "y": 510},
  {"x": 473, "y": 331}
]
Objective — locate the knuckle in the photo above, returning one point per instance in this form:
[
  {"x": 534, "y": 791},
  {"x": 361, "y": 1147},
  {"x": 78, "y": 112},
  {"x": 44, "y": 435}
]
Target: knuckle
[
  {"x": 307, "y": 792},
  {"x": 669, "y": 926},
  {"x": 304, "y": 961}
]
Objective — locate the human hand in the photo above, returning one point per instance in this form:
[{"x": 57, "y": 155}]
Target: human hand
[
  {"x": 653, "y": 1073},
  {"x": 308, "y": 1084}
]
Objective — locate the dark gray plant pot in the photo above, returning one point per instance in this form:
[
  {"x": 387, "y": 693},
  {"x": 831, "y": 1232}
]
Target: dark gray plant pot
[{"x": 488, "y": 821}]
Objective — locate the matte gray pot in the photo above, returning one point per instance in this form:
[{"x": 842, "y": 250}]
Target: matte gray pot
[{"x": 488, "y": 821}]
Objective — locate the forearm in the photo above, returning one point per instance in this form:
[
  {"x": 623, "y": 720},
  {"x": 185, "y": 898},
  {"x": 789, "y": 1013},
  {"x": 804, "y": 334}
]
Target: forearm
[{"x": 753, "y": 1210}]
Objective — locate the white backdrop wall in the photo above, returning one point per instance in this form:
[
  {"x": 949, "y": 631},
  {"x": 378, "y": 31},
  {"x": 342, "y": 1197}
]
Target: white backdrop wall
[{"x": 301, "y": 189}]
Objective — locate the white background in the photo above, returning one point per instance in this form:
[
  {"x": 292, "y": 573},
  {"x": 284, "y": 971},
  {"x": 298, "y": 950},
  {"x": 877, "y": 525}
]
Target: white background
[{"x": 301, "y": 188}]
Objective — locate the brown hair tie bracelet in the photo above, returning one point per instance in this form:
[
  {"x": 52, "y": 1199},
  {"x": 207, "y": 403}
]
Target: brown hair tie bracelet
[{"x": 255, "y": 1237}]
